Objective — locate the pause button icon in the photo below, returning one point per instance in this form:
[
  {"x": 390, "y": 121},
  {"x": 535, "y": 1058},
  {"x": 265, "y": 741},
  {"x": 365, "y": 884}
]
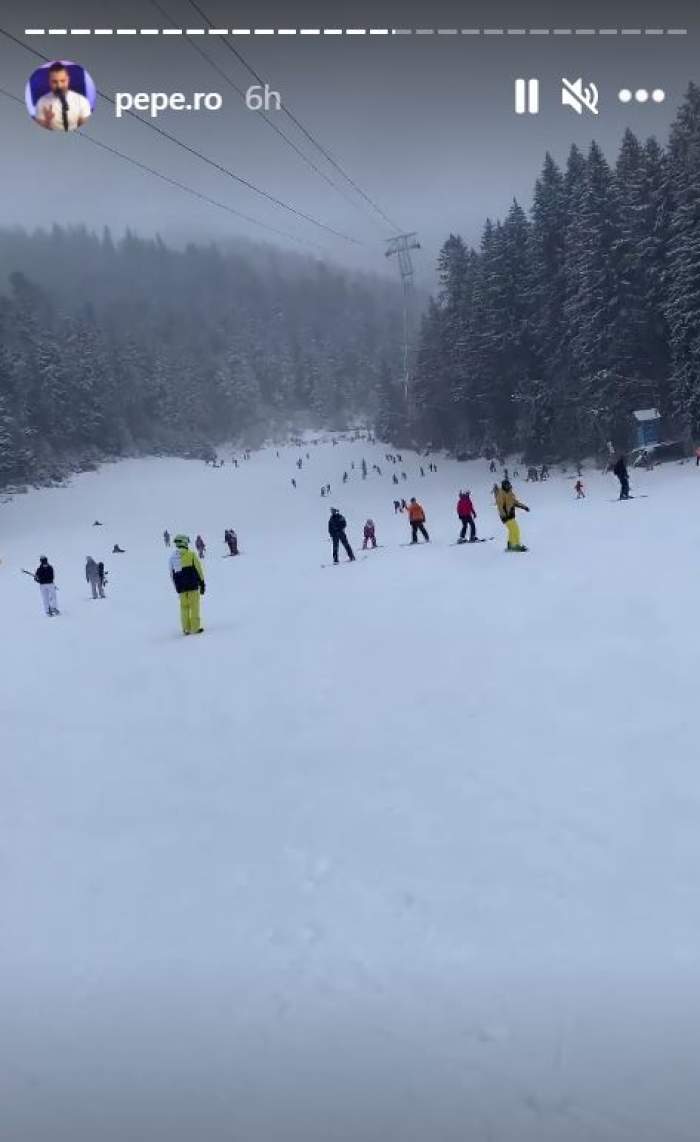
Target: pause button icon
[{"x": 527, "y": 96}]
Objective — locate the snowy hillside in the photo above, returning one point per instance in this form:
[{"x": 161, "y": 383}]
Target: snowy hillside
[{"x": 404, "y": 850}]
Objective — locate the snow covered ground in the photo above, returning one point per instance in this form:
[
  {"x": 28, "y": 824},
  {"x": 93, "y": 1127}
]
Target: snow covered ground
[{"x": 403, "y": 850}]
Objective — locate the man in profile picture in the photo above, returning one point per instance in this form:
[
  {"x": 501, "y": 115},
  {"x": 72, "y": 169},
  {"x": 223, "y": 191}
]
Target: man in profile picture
[{"x": 61, "y": 109}]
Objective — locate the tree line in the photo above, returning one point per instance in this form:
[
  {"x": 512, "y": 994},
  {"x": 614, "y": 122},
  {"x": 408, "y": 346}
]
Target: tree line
[
  {"x": 565, "y": 319},
  {"x": 113, "y": 348}
]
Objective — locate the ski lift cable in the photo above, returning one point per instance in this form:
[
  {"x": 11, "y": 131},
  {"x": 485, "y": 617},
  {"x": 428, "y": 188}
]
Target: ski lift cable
[
  {"x": 307, "y": 134},
  {"x": 181, "y": 185},
  {"x": 205, "y": 158},
  {"x": 268, "y": 122}
]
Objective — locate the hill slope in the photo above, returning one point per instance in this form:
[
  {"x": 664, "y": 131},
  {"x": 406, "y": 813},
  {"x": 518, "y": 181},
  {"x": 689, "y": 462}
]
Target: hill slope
[{"x": 402, "y": 849}]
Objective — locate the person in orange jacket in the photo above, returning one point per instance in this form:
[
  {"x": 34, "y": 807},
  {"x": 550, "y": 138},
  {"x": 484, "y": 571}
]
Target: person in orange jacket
[{"x": 416, "y": 518}]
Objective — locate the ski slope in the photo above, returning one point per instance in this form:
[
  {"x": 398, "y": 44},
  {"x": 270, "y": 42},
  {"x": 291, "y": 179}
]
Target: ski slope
[{"x": 405, "y": 850}]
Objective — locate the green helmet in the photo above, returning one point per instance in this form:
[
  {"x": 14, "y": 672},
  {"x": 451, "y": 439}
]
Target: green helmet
[{"x": 181, "y": 541}]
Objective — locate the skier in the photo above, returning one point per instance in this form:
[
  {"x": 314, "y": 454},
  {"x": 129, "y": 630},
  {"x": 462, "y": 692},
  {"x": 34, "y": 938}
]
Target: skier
[
  {"x": 422, "y": 471},
  {"x": 44, "y": 576},
  {"x": 404, "y": 506},
  {"x": 201, "y": 546},
  {"x": 166, "y": 537},
  {"x": 231, "y": 540},
  {"x": 507, "y": 502},
  {"x": 492, "y": 466},
  {"x": 369, "y": 535},
  {"x": 620, "y": 470},
  {"x": 580, "y": 494},
  {"x": 395, "y": 478},
  {"x": 336, "y": 529},
  {"x": 117, "y": 550},
  {"x": 697, "y": 457},
  {"x": 294, "y": 483},
  {"x": 188, "y": 580},
  {"x": 416, "y": 518},
  {"x": 93, "y": 577},
  {"x": 345, "y": 477},
  {"x": 323, "y": 491},
  {"x": 544, "y": 472},
  {"x": 467, "y": 515},
  {"x": 397, "y": 507},
  {"x": 404, "y": 476}
]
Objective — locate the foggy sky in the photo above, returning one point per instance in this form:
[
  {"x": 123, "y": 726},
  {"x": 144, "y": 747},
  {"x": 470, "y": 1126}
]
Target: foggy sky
[{"x": 425, "y": 125}]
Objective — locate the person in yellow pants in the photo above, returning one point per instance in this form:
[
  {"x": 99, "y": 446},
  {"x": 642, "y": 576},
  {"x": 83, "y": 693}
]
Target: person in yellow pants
[
  {"x": 188, "y": 579},
  {"x": 507, "y": 502}
]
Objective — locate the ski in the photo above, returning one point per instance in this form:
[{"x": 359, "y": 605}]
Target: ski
[
  {"x": 471, "y": 542},
  {"x": 641, "y": 496}
]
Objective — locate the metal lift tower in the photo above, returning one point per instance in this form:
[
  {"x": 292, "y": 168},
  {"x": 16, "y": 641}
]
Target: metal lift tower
[{"x": 401, "y": 246}]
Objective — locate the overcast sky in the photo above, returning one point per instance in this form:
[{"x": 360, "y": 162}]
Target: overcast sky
[{"x": 424, "y": 124}]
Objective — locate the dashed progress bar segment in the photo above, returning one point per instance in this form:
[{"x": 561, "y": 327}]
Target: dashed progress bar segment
[{"x": 356, "y": 31}]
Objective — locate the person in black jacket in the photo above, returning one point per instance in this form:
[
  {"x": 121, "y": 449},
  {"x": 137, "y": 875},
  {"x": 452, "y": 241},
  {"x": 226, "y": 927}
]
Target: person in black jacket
[
  {"x": 44, "y": 576},
  {"x": 620, "y": 470},
  {"x": 336, "y": 529}
]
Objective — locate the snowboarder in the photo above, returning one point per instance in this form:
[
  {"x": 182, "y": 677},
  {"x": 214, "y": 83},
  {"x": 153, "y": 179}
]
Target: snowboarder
[
  {"x": 201, "y": 546},
  {"x": 188, "y": 580},
  {"x": 166, "y": 537},
  {"x": 93, "y": 577},
  {"x": 620, "y": 470},
  {"x": 44, "y": 576},
  {"x": 231, "y": 540},
  {"x": 507, "y": 502},
  {"x": 467, "y": 515},
  {"x": 369, "y": 535},
  {"x": 580, "y": 494},
  {"x": 336, "y": 529},
  {"x": 416, "y": 518}
]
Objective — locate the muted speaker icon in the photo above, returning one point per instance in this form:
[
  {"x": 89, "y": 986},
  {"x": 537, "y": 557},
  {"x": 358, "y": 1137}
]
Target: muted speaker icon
[{"x": 580, "y": 98}]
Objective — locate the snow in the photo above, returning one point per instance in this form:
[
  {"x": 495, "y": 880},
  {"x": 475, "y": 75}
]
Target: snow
[
  {"x": 644, "y": 414},
  {"x": 406, "y": 849}
]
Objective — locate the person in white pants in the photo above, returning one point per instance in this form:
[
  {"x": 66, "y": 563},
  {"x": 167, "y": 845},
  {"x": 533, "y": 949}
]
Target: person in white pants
[{"x": 44, "y": 576}]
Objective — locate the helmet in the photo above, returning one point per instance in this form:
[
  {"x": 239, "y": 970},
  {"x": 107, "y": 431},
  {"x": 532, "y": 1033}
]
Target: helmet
[
  {"x": 506, "y": 485},
  {"x": 43, "y": 559},
  {"x": 181, "y": 541}
]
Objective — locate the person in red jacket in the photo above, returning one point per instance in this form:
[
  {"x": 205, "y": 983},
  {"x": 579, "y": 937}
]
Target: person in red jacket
[
  {"x": 467, "y": 515},
  {"x": 369, "y": 535}
]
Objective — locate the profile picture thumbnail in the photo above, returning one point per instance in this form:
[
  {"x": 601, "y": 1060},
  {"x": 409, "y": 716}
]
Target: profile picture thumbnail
[{"x": 60, "y": 96}]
